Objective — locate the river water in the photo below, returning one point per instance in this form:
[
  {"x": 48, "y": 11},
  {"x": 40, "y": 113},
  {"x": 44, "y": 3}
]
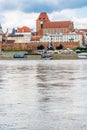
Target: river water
[{"x": 43, "y": 95}]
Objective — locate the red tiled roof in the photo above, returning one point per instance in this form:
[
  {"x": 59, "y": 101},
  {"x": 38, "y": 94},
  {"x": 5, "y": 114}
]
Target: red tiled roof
[
  {"x": 24, "y": 29},
  {"x": 59, "y": 24},
  {"x": 43, "y": 16},
  {"x": 35, "y": 38},
  {"x": 68, "y": 31},
  {"x": 80, "y": 33},
  {"x": 85, "y": 30}
]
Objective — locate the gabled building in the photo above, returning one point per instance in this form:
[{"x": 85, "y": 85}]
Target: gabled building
[
  {"x": 44, "y": 25},
  {"x": 21, "y": 35}
]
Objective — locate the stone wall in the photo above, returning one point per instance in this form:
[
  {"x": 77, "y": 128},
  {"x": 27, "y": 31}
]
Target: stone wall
[{"x": 33, "y": 46}]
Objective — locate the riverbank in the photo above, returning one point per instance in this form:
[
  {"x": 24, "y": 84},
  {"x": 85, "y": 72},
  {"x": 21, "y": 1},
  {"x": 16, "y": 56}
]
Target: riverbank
[
  {"x": 65, "y": 56},
  {"x": 55, "y": 56}
]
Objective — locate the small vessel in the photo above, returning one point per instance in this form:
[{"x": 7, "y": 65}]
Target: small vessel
[
  {"x": 82, "y": 55},
  {"x": 19, "y": 55},
  {"x": 46, "y": 56}
]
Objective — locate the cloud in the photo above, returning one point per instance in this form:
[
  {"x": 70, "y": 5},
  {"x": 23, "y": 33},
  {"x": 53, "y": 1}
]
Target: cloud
[
  {"x": 25, "y": 12},
  {"x": 10, "y": 19},
  {"x": 62, "y": 15},
  {"x": 7, "y": 5},
  {"x": 41, "y": 5},
  {"x": 18, "y": 19},
  {"x": 80, "y": 23}
]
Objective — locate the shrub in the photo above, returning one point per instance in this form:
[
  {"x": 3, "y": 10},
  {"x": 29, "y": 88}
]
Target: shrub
[
  {"x": 41, "y": 47},
  {"x": 59, "y": 47}
]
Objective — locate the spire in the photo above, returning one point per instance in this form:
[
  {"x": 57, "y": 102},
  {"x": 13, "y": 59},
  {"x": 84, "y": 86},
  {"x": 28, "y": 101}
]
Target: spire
[{"x": 14, "y": 31}]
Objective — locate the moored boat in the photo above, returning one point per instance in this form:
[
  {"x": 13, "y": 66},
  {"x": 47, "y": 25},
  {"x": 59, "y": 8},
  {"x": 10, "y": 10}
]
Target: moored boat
[{"x": 82, "y": 55}]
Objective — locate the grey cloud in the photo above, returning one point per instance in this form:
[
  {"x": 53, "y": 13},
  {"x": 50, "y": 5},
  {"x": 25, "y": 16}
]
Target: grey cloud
[{"x": 41, "y": 5}]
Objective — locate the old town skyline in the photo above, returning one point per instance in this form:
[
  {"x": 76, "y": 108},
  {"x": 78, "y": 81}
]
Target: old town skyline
[{"x": 16, "y": 14}]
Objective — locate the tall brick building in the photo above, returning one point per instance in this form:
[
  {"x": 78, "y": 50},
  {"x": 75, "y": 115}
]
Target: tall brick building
[{"x": 44, "y": 25}]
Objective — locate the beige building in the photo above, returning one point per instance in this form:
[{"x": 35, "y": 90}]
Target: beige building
[
  {"x": 23, "y": 35},
  {"x": 16, "y": 38}
]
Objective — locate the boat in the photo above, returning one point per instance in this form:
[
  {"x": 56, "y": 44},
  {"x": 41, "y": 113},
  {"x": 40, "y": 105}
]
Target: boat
[
  {"x": 46, "y": 56},
  {"x": 19, "y": 55},
  {"x": 82, "y": 55}
]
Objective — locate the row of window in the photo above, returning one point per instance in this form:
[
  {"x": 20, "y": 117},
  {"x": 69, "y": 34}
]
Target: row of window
[
  {"x": 61, "y": 38},
  {"x": 55, "y": 30}
]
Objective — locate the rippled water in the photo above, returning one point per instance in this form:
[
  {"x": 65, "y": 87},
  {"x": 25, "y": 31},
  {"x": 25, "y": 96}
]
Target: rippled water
[{"x": 43, "y": 95}]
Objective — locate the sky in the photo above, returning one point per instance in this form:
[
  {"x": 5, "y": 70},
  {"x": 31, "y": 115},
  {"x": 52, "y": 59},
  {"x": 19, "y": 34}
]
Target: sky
[{"x": 18, "y": 13}]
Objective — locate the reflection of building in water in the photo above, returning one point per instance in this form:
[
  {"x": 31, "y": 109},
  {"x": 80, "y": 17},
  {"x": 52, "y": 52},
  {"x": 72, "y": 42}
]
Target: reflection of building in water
[
  {"x": 56, "y": 85},
  {"x": 43, "y": 86}
]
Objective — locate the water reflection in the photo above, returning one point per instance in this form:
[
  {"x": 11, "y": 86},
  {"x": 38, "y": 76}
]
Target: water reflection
[
  {"x": 43, "y": 95},
  {"x": 53, "y": 82}
]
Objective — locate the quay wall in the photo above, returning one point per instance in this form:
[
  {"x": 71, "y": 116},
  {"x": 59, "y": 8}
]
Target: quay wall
[{"x": 33, "y": 46}]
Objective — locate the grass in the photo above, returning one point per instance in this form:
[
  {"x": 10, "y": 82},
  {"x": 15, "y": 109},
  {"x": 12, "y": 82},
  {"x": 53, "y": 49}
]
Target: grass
[{"x": 14, "y": 51}]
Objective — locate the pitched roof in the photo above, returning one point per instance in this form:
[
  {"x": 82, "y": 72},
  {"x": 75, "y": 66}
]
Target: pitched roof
[
  {"x": 35, "y": 38},
  {"x": 23, "y": 29},
  {"x": 80, "y": 33},
  {"x": 59, "y": 24},
  {"x": 85, "y": 30},
  {"x": 69, "y": 31},
  {"x": 43, "y": 16}
]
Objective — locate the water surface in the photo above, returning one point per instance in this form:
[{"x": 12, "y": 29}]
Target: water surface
[{"x": 43, "y": 95}]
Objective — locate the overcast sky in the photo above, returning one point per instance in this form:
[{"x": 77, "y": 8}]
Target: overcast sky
[{"x": 17, "y": 13}]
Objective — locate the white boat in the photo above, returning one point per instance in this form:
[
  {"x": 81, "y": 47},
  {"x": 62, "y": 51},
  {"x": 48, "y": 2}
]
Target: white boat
[
  {"x": 82, "y": 55},
  {"x": 45, "y": 55}
]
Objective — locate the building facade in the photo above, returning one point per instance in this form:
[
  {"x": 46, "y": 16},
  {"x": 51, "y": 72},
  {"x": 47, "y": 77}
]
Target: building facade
[
  {"x": 72, "y": 37},
  {"x": 22, "y": 35},
  {"x": 44, "y": 25}
]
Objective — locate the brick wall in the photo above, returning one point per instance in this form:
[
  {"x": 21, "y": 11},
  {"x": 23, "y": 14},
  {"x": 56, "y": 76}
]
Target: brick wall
[
  {"x": 0, "y": 46},
  {"x": 33, "y": 46}
]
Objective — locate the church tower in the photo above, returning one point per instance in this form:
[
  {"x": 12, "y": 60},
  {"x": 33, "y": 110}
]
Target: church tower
[{"x": 43, "y": 17}]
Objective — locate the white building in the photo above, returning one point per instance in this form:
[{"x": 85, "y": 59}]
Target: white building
[
  {"x": 71, "y": 37},
  {"x": 85, "y": 38},
  {"x": 22, "y": 35}
]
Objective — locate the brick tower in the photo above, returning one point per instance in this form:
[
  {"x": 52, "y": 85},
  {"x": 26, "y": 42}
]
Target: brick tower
[{"x": 43, "y": 17}]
